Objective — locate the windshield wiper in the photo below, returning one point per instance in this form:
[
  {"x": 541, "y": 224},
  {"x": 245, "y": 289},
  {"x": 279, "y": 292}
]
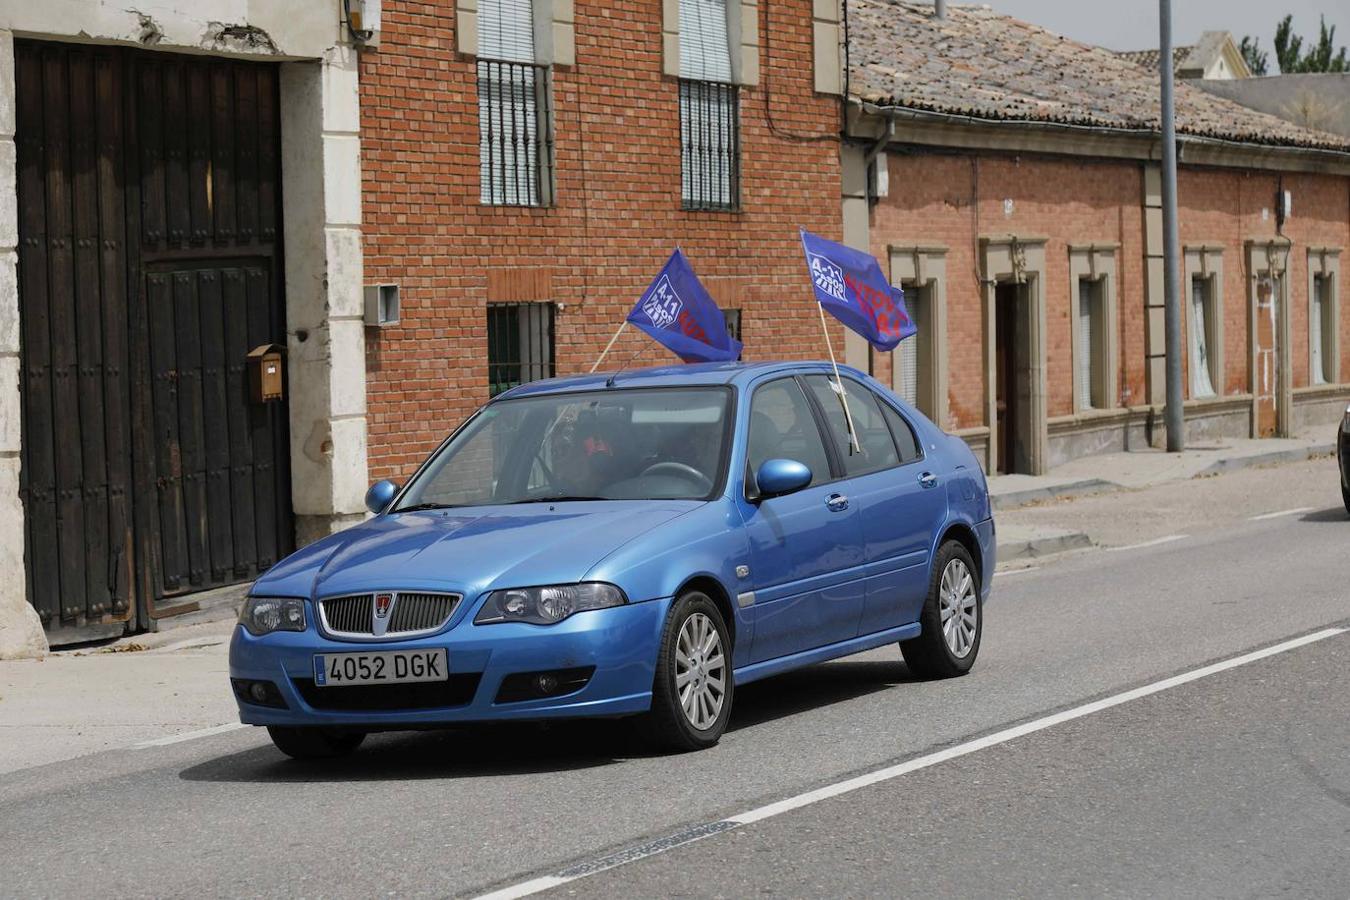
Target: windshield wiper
[
  {"x": 421, "y": 506},
  {"x": 560, "y": 498}
]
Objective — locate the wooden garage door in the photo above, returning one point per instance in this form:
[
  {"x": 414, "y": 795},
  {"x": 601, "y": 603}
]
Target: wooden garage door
[{"x": 149, "y": 264}]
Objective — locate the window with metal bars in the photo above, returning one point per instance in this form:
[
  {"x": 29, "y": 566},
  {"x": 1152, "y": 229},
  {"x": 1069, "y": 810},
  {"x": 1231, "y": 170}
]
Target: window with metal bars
[
  {"x": 515, "y": 134},
  {"x": 733, "y": 320},
  {"x": 709, "y": 145},
  {"x": 520, "y": 344}
]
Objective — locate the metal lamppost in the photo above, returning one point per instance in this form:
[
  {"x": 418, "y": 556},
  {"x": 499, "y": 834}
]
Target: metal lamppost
[{"x": 1176, "y": 426}]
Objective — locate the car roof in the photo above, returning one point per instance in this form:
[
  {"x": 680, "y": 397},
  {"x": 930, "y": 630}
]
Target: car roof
[{"x": 685, "y": 375}]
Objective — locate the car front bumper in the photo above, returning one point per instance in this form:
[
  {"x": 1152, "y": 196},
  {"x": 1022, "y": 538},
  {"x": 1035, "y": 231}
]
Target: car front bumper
[{"x": 620, "y": 643}]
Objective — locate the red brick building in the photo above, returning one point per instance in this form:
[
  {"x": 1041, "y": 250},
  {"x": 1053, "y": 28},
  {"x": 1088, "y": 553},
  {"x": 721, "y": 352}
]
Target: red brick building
[
  {"x": 1010, "y": 179},
  {"x": 1006, "y": 176},
  {"x": 613, "y": 208}
]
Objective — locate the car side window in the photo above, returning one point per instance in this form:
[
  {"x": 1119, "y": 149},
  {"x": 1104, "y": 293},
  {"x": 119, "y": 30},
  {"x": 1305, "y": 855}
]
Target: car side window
[
  {"x": 783, "y": 427},
  {"x": 875, "y": 449},
  {"x": 905, "y": 438}
]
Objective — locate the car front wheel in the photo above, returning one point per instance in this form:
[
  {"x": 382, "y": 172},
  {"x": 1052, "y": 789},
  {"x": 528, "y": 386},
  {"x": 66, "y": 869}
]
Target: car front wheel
[
  {"x": 692, "y": 690},
  {"x": 952, "y": 618},
  {"x": 314, "y": 743}
]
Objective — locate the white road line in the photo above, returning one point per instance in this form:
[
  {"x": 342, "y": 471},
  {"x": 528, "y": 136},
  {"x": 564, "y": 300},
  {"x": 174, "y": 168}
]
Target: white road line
[
  {"x": 189, "y": 735},
  {"x": 759, "y": 814},
  {"x": 1284, "y": 512},
  {"x": 1153, "y": 543},
  {"x": 1006, "y": 572}
]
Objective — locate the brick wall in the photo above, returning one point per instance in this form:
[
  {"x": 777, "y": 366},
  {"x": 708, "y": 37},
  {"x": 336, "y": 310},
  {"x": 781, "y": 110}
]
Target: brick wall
[
  {"x": 616, "y": 218},
  {"x": 951, "y": 199}
]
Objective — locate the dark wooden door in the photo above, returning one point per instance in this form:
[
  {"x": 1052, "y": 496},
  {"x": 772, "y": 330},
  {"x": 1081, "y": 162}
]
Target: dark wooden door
[
  {"x": 149, "y": 264},
  {"x": 1005, "y": 375}
]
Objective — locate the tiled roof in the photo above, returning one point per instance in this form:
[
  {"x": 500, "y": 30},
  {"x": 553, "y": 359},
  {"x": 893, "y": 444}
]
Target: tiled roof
[
  {"x": 1149, "y": 58},
  {"x": 976, "y": 62}
]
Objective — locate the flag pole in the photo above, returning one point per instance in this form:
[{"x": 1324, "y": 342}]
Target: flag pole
[
  {"x": 839, "y": 382},
  {"x": 605, "y": 352}
]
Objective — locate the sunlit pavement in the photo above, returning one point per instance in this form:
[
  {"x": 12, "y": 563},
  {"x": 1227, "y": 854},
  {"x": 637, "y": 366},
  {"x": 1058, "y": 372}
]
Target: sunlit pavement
[{"x": 1235, "y": 783}]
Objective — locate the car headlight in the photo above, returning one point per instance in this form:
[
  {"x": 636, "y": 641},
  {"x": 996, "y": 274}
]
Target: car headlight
[
  {"x": 547, "y": 605},
  {"x": 264, "y": 615}
]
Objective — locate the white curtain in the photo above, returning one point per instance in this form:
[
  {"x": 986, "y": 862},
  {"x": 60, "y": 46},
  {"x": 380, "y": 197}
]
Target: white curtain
[
  {"x": 1316, "y": 325},
  {"x": 1201, "y": 383},
  {"x": 705, "y": 45}
]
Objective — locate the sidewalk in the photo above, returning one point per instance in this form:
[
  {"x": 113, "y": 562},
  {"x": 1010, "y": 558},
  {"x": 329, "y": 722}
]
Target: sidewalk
[
  {"x": 1131, "y": 471},
  {"x": 139, "y": 688}
]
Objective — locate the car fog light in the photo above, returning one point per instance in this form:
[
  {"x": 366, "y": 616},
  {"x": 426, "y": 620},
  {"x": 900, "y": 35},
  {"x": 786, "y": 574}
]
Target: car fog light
[
  {"x": 520, "y": 686},
  {"x": 258, "y": 691}
]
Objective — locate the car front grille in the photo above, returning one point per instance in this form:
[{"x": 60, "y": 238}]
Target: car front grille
[
  {"x": 458, "y": 690},
  {"x": 412, "y": 614}
]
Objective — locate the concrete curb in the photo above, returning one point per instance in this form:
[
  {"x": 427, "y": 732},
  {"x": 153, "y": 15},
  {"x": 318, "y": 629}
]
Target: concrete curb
[
  {"x": 1014, "y": 499},
  {"x": 1296, "y": 454},
  {"x": 1043, "y": 546}
]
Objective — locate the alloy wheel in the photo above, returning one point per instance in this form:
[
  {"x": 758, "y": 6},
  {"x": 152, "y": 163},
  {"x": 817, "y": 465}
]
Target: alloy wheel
[
  {"x": 700, "y": 671},
  {"x": 960, "y": 608}
]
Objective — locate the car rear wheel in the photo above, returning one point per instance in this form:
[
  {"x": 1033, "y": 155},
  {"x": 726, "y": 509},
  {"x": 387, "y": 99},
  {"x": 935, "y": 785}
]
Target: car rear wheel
[
  {"x": 952, "y": 618},
  {"x": 1345, "y": 495},
  {"x": 692, "y": 690},
  {"x": 314, "y": 743}
]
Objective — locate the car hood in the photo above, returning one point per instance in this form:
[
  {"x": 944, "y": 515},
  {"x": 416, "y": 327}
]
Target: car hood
[{"x": 468, "y": 550}]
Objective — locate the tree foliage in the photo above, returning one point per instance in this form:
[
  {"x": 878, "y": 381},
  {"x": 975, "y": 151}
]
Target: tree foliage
[
  {"x": 1320, "y": 57},
  {"x": 1255, "y": 57}
]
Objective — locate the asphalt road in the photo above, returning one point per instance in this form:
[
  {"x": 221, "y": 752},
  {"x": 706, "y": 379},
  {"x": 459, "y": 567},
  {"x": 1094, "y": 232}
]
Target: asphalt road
[{"x": 1237, "y": 783}]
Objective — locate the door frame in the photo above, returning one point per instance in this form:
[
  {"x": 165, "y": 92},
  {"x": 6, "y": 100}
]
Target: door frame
[
  {"x": 1019, "y": 259},
  {"x": 1270, "y": 258}
]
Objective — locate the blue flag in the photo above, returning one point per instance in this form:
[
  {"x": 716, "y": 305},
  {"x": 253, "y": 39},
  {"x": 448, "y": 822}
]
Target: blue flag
[
  {"x": 850, "y": 286},
  {"x": 679, "y": 315}
]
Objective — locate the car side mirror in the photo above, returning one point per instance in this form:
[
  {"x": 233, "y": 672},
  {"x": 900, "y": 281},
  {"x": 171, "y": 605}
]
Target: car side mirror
[
  {"x": 380, "y": 495},
  {"x": 777, "y": 477}
]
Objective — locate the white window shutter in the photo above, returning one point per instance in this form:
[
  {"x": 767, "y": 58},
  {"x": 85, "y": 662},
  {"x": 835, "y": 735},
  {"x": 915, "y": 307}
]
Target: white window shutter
[
  {"x": 506, "y": 30},
  {"x": 909, "y": 370},
  {"x": 705, "y": 42}
]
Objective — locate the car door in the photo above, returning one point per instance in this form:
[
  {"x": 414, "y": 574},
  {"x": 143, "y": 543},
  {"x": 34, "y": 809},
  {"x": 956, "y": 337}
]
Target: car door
[
  {"x": 805, "y": 547},
  {"x": 899, "y": 496}
]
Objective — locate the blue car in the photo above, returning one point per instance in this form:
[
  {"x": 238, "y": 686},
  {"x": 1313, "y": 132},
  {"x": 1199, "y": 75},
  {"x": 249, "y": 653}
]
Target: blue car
[{"x": 636, "y": 544}]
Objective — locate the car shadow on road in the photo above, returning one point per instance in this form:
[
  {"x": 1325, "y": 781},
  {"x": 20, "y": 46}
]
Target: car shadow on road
[
  {"x": 534, "y": 748},
  {"x": 1330, "y": 514},
  {"x": 816, "y": 686}
]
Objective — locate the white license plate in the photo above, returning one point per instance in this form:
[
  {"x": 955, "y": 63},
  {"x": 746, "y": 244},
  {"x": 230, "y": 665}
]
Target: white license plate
[{"x": 384, "y": 667}]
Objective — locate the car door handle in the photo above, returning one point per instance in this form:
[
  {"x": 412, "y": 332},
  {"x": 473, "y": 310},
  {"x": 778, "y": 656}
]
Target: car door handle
[
  {"x": 928, "y": 480},
  {"x": 836, "y": 502}
]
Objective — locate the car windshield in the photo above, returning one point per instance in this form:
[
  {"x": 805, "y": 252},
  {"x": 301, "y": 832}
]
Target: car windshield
[{"x": 626, "y": 444}]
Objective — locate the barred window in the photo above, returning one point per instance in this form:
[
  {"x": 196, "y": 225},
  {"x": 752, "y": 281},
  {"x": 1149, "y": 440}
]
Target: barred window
[
  {"x": 709, "y": 145},
  {"x": 515, "y": 133},
  {"x": 733, "y": 320},
  {"x": 709, "y": 108},
  {"x": 520, "y": 344}
]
